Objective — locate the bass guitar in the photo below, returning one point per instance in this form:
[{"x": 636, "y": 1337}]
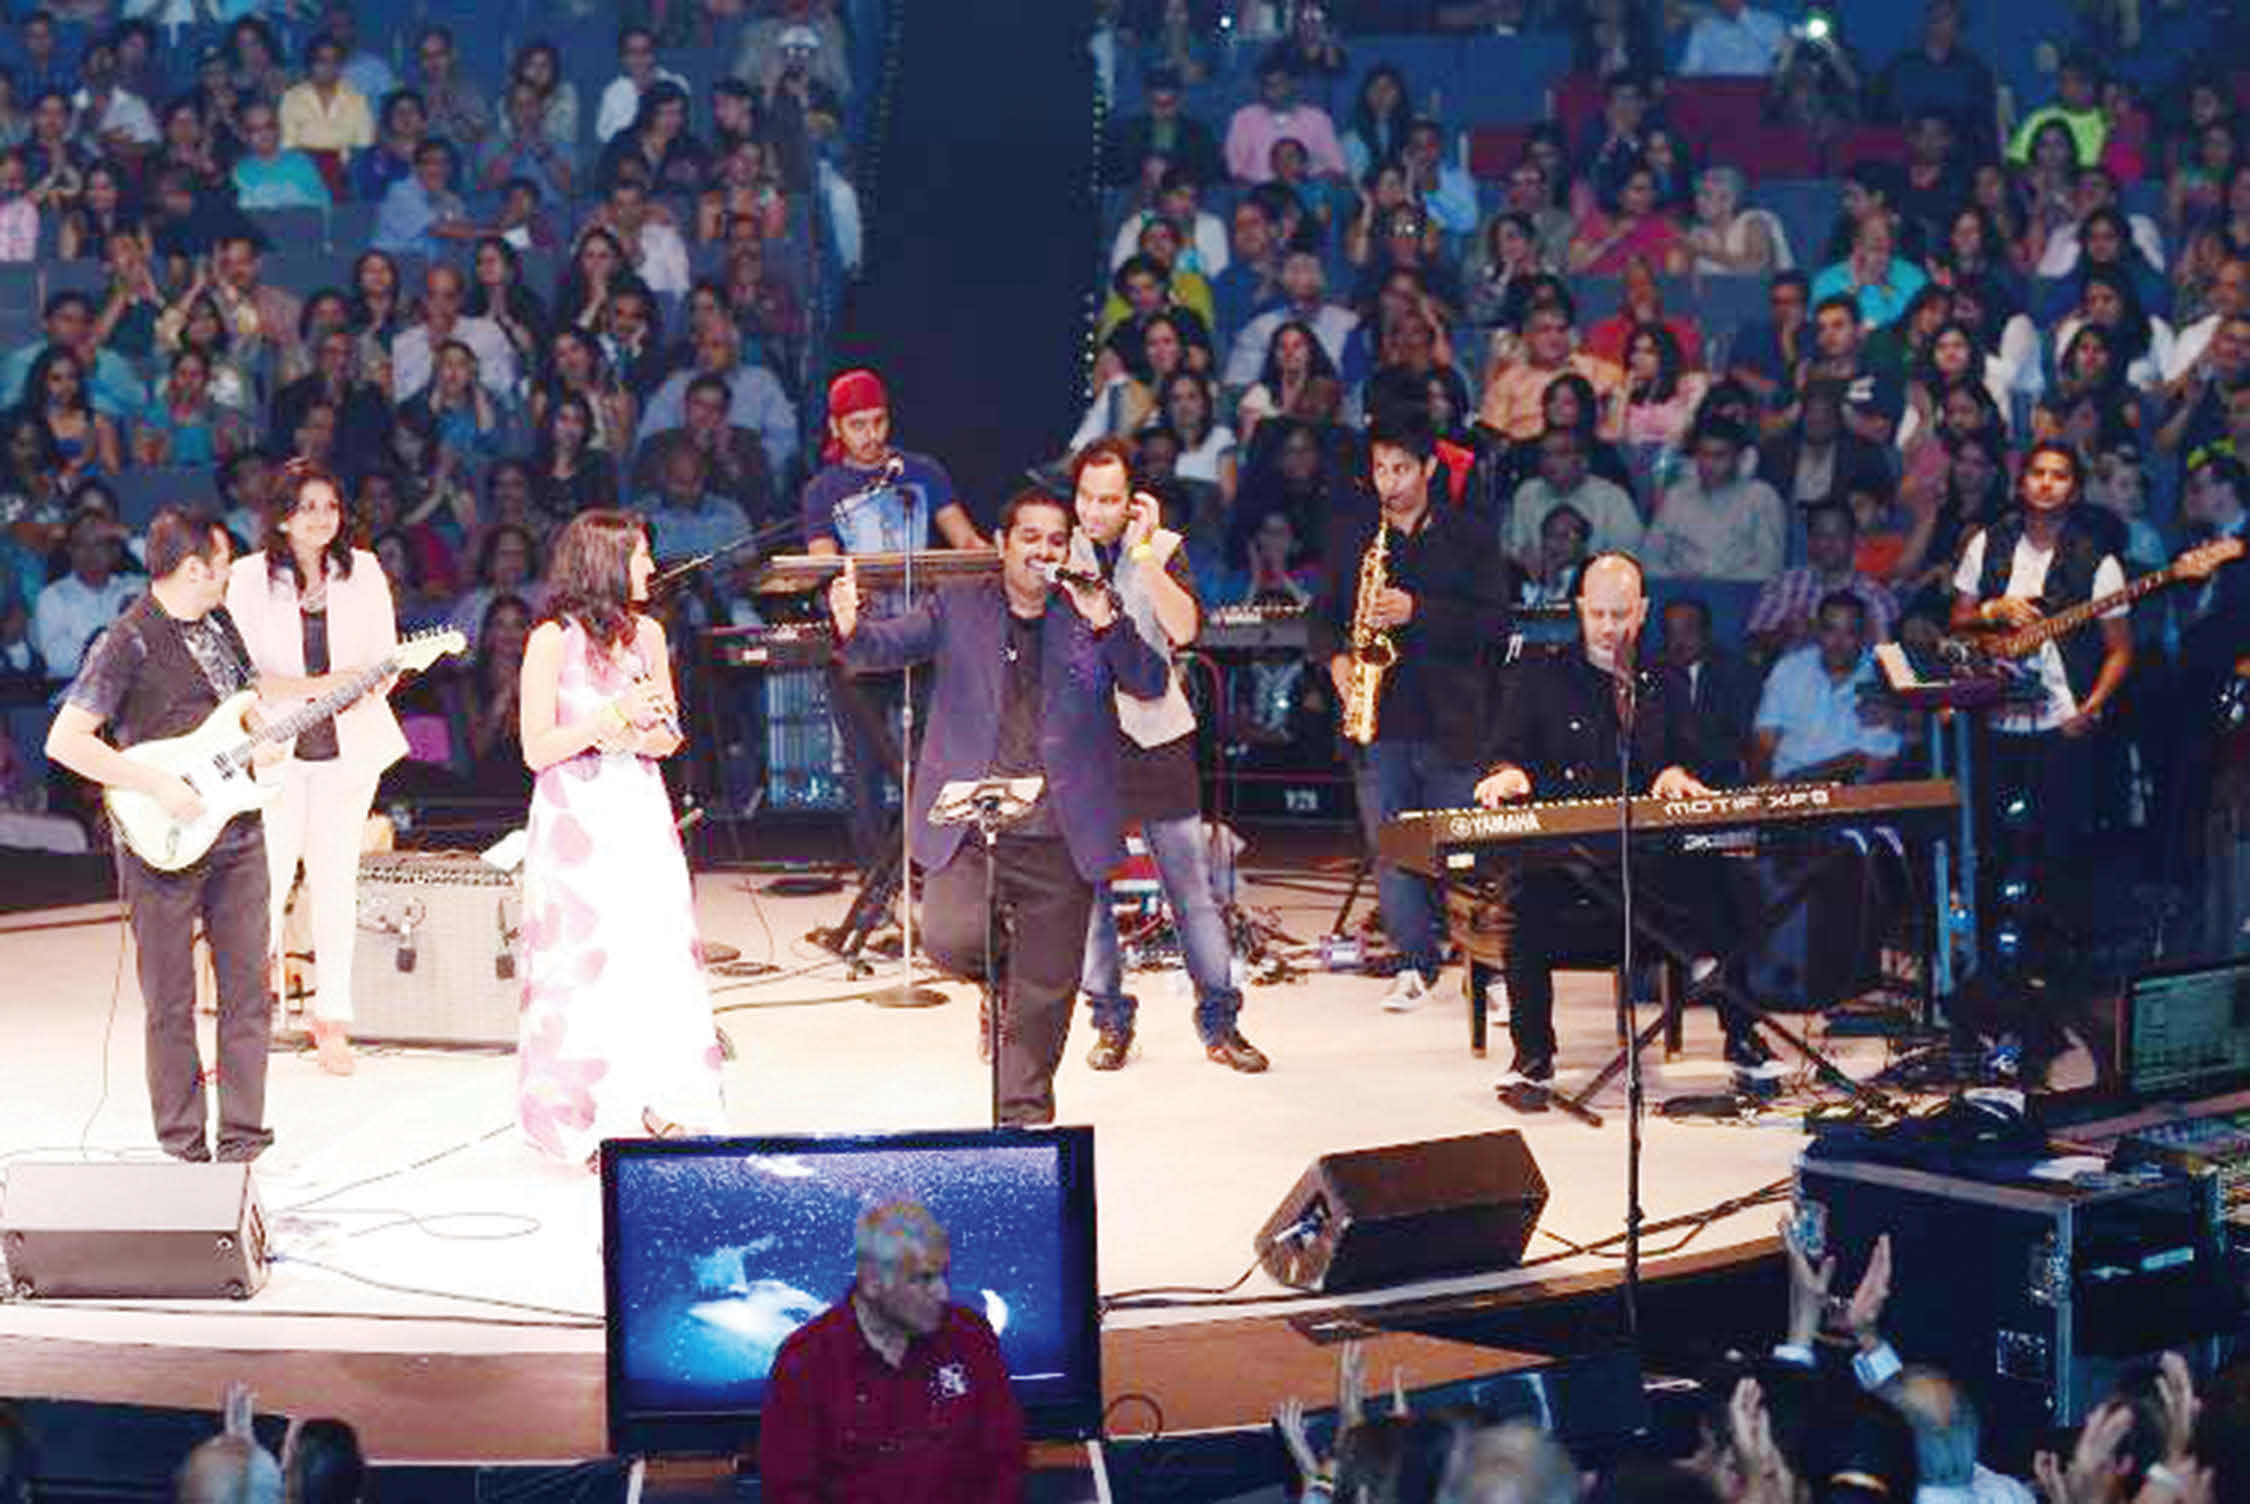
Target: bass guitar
[
  {"x": 2195, "y": 564},
  {"x": 216, "y": 759}
]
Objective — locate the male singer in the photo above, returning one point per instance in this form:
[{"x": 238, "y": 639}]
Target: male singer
[
  {"x": 1561, "y": 730},
  {"x": 1445, "y": 608},
  {"x": 1119, "y": 539},
  {"x": 870, "y": 497},
  {"x": 1026, "y": 672}
]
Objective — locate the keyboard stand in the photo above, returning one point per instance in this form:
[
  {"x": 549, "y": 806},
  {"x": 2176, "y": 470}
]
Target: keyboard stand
[{"x": 1595, "y": 876}]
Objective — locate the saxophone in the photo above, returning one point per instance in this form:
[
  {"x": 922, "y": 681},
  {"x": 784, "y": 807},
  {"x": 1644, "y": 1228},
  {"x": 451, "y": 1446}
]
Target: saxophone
[{"x": 1372, "y": 650}]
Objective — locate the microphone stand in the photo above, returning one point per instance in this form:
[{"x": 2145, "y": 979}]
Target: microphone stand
[
  {"x": 1628, "y": 714},
  {"x": 906, "y": 994}
]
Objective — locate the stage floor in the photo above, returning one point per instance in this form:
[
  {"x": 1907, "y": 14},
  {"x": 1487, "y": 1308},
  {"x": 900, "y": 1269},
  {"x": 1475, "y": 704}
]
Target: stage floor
[{"x": 407, "y": 1216}]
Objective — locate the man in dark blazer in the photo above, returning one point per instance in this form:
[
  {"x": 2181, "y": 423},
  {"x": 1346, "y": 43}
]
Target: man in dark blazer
[
  {"x": 1025, "y": 675},
  {"x": 1722, "y": 690}
]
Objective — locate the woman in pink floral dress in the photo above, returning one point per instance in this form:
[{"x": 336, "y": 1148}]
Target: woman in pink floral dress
[{"x": 616, "y": 1038}]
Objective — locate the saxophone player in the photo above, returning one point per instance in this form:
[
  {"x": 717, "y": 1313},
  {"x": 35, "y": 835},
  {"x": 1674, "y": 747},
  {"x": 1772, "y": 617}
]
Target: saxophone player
[{"x": 1412, "y": 611}]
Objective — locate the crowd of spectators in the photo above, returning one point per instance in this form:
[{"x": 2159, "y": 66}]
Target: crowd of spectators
[
  {"x": 1783, "y": 395},
  {"x": 1831, "y": 1413},
  {"x": 486, "y": 293}
]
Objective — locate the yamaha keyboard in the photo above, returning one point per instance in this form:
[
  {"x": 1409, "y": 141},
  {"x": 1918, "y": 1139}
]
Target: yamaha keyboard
[
  {"x": 1456, "y": 842},
  {"x": 1254, "y": 629},
  {"x": 792, "y": 645}
]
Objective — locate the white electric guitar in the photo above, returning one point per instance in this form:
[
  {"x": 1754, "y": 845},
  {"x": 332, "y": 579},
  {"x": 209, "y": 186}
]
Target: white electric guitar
[{"x": 216, "y": 759}]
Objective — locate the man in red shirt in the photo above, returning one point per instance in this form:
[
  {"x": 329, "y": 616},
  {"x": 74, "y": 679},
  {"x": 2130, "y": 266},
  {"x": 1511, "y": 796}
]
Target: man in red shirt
[{"x": 892, "y": 1393}]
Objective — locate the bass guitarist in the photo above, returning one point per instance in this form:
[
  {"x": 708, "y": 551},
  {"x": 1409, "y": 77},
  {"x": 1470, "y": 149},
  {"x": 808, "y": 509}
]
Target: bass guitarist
[
  {"x": 2041, "y": 765},
  {"x": 158, "y": 671}
]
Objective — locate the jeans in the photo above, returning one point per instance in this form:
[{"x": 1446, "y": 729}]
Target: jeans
[
  {"x": 227, "y": 890},
  {"x": 1042, "y": 939},
  {"x": 1183, "y": 864},
  {"x": 1392, "y": 777}
]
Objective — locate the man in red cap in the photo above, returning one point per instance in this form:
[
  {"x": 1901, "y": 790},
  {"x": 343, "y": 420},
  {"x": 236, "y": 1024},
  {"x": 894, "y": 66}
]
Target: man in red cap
[{"x": 870, "y": 497}]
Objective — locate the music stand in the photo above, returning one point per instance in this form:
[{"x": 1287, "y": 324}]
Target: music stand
[{"x": 991, "y": 805}]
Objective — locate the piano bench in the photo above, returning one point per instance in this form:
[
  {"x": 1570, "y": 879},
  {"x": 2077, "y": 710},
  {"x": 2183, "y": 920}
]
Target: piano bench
[
  {"x": 1479, "y": 919},
  {"x": 1671, "y": 992}
]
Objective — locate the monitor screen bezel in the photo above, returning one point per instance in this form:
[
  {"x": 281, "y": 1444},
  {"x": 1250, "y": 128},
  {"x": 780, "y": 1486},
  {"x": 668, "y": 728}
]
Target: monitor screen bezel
[
  {"x": 2129, "y": 1085},
  {"x": 735, "y": 1432}
]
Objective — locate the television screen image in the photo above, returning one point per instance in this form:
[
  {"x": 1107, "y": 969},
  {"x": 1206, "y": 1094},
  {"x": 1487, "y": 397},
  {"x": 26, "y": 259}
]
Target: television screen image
[{"x": 718, "y": 1249}]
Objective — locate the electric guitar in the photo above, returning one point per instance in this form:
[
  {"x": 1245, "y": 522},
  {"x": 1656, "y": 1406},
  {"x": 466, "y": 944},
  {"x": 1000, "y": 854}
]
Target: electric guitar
[
  {"x": 2022, "y": 642},
  {"x": 216, "y": 759}
]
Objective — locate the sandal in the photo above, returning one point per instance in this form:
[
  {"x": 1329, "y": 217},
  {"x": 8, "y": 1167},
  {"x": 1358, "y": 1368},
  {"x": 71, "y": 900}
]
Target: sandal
[{"x": 333, "y": 1040}]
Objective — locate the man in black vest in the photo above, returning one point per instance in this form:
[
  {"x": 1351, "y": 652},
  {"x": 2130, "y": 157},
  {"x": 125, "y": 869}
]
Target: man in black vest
[
  {"x": 1561, "y": 731},
  {"x": 2040, "y": 773},
  {"x": 158, "y": 671}
]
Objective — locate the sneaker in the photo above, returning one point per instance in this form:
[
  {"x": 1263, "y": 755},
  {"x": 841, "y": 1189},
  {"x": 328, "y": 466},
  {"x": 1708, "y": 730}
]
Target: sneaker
[
  {"x": 1747, "y": 1051},
  {"x": 1112, "y": 1048},
  {"x": 1409, "y": 990},
  {"x": 1233, "y": 1051},
  {"x": 1536, "y": 1069}
]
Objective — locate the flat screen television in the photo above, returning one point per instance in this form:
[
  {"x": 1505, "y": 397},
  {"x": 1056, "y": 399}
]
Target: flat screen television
[{"x": 715, "y": 1250}]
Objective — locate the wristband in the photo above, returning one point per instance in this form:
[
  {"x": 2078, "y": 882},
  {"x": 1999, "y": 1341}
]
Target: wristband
[
  {"x": 2157, "y": 1472},
  {"x": 1143, "y": 552}
]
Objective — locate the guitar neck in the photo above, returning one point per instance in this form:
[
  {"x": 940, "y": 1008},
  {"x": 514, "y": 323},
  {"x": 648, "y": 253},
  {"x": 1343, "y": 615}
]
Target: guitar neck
[
  {"x": 2029, "y": 639},
  {"x": 313, "y": 712}
]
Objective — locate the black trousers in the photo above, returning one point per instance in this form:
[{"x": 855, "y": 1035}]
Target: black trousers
[
  {"x": 227, "y": 891},
  {"x": 866, "y": 711},
  {"x": 2043, "y": 840},
  {"x": 1557, "y": 922},
  {"x": 1043, "y": 905}
]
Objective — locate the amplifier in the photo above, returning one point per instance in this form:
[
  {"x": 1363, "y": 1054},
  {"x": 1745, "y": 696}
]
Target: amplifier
[
  {"x": 438, "y": 948},
  {"x": 2036, "y": 1296}
]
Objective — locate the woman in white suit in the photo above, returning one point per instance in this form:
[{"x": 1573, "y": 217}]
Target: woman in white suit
[{"x": 314, "y": 610}]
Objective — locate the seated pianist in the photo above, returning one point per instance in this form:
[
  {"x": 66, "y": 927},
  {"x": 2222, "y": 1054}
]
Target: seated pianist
[{"x": 1559, "y": 736}]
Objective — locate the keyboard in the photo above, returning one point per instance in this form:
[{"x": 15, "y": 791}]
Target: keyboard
[
  {"x": 1254, "y": 629},
  {"x": 795, "y": 645},
  {"x": 1455, "y": 842}
]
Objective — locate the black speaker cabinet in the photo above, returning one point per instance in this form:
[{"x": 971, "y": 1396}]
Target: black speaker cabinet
[
  {"x": 1369, "y": 1217},
  {"x": 179, "y": 1231}
]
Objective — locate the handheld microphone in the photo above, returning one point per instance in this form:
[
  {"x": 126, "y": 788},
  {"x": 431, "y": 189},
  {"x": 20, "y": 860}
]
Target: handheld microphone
[
  {"x": 670, "y": 719},
  {"x": 1062, "y": 574}
]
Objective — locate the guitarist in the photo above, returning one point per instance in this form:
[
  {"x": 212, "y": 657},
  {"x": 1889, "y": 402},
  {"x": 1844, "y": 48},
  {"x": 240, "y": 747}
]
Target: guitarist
[
  {"x": 158, "y": 671},
  {"x": 2049, "y": 555}
]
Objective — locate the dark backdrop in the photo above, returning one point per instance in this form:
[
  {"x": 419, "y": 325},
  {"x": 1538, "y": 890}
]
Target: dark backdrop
[{"x": 982, "y": 238}]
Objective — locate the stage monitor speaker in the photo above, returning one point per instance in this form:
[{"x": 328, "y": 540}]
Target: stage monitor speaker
[
  {"x": 1369, "y": 1217},
  {"x": 174, "y": 1230}
]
